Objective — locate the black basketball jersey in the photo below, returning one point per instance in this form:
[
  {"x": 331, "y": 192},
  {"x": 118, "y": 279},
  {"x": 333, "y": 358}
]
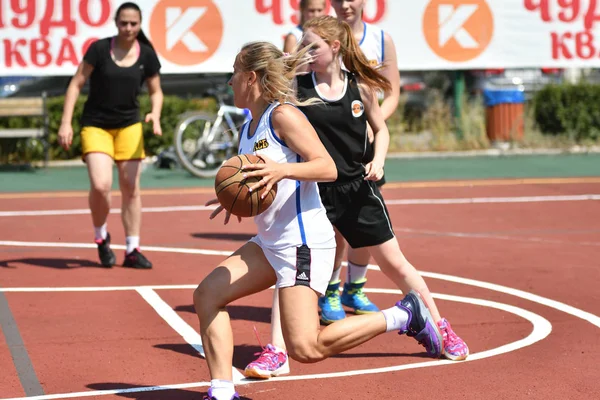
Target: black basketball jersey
[
  {"x": 341, "y": 125},
  {"x": 113, "y": 99}
]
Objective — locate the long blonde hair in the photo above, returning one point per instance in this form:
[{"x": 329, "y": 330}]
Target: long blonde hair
[
  {"x": 330, "y": 29},
  {"x": 276, "y": 71}
]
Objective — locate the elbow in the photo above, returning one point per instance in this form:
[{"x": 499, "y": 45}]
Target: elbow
[{"x": 331, "y": 172}]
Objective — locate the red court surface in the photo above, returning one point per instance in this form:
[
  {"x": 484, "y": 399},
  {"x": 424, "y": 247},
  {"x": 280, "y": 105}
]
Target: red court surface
[{"x": 513, "y": 265}]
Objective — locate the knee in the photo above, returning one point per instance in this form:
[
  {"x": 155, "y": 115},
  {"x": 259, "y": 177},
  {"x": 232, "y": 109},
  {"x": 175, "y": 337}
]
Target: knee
[
  {"x": 305, "y": 353},
  {"x": 101, "y": 187},
  {"x": 206, "y": 298},
  {"x": 129, "y": 189}
]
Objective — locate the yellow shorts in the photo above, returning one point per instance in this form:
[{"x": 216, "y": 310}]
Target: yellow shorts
[{"x": 122, "y": 144}]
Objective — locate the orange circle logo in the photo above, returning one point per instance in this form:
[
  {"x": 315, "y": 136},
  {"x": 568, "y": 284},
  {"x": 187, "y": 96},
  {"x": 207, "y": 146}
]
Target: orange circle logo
[
  {"x": 458, "y": 30},
  {"x": 186, "y": 32}
]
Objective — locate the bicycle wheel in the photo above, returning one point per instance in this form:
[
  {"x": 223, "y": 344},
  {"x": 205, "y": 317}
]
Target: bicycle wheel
[{"x": 202, "y": 146}]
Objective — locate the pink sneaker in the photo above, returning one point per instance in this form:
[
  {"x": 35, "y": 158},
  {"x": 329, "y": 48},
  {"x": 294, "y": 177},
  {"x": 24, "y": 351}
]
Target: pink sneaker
[
  {"x": 455, "y": 348},
  {"x": 270, "y": 362}
]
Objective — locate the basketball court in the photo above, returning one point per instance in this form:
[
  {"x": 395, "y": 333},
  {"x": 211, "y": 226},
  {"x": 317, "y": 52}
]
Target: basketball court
[{"x": 512, "y": 263}]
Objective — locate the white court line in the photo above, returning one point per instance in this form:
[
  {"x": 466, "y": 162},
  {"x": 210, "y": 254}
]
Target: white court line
[
  {"x": 481, "y": 200},
  {"x": 593, "y": 319},
  {"x": 79, "y": 211},
  {"x": 541, "y": 329},
  {"x": 188, "y": 333},
  {"x": 114, "y": 246},
  {"x": 468, "y": 200},
  {"x": 476, "y": 235}
]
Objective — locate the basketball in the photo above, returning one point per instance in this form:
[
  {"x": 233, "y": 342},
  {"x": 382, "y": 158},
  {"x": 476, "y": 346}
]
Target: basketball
[{"x": 233, "y": 190}]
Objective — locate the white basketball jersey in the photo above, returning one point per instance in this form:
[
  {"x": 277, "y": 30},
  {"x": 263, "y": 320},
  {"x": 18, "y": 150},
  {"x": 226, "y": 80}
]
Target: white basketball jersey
[
  {"x": 297, "y": 215},
  {"x": 297, "y": 32},
  {"x": 372, "y": 44}
]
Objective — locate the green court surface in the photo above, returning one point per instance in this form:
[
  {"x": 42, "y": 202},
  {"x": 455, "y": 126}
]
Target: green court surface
[{"x": 397, "y": 170}]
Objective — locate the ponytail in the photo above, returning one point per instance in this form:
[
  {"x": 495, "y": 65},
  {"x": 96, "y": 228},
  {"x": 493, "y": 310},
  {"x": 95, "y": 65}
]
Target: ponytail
[
  {"x": 356, "y": 62},
  {"x": 276, "y": 71},
  {"x": 330, "y": 29},
  {"x": 142, "y": 38}
]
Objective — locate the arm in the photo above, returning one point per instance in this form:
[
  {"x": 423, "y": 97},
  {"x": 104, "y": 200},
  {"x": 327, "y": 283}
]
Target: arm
[
  {"x": 81, "y": 75},
  {"x": 156, "y": 99},
  {"x": 390, "y": 71},
  {"x": 374, "y": 170},
  {"x": 65, "y": 131},
  {"x": 298, "y": 134},
  {"x": 289, "y": 44}
]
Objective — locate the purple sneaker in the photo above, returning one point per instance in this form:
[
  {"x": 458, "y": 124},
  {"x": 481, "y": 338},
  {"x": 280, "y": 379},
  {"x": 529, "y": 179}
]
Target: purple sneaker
[
  {"x": 420, "y": 324},
  {"x": 209, "y": 396}
]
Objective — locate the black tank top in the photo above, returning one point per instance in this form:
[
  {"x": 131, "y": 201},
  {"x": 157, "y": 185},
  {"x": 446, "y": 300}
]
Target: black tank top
[{"x": 341, "y": 125}]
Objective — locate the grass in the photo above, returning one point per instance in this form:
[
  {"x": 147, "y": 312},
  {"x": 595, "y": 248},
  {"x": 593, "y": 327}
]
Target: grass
[{"x": 438, "y": 130}]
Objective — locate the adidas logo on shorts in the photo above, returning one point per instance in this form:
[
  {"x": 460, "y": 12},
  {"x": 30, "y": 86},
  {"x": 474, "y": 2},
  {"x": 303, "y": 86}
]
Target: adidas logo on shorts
[{"x": 302, "y": 277}]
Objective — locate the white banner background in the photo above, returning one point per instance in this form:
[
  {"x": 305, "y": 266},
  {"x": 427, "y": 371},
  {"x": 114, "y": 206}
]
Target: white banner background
[{"x": 497, "y": 33}]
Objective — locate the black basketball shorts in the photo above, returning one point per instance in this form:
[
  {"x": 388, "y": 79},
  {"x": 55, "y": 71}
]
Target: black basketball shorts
[{"x": 358, "y": 212}]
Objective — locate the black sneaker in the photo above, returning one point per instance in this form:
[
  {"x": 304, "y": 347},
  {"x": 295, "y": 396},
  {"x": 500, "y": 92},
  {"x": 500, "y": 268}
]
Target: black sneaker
[
  {"x": 136, "y": 259},
  {"x": 107, "y": 257}
]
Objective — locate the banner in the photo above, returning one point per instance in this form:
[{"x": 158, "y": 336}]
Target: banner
[{"x": 49, "y": 37}]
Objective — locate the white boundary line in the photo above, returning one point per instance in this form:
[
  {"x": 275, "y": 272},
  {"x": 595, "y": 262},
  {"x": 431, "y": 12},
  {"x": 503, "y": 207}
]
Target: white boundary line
[
  {"x": 586, "y": 316},
  {"x": 541, "y": 329},
  {"x": 541, "y": 326},
  {"x": 468, "y": 200},
  {"x": 188, "y": 333}
]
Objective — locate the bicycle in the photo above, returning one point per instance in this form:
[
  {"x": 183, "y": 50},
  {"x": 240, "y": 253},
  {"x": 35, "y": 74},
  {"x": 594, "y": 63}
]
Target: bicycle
[{"x": 203, "y": 142}]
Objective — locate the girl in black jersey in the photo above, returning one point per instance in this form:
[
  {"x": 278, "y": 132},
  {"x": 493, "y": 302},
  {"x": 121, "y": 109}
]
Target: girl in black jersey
[
  {"x": 353, "y": 202},
  {"x": 111, "y": 128}
]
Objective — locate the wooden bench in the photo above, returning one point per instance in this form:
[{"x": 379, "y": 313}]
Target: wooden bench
[{"x": 27, "y": 107}]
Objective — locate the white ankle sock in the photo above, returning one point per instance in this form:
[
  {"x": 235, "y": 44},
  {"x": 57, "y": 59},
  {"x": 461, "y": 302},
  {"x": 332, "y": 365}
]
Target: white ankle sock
[
  {"x": 395, "y": 318},
  {"x": 356, "y": 273},
  {"x": 132, "y": 243},
  {"x": 100, "y": 232},
  {"x": 222, "y": 390},
  {"x": 335, "y": 276}
]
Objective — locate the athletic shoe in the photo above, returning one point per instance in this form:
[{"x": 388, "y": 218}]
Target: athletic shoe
[
  {"x": 331, "y": 305},
  {"x": 107, "y": 257},
  {"x": 269, "y": 363},
  {"x": 420, "y": 324},
  {"x": 209, "y": 396},
  {"x": 136, "y": 259},
  {"x": 455, "y": 348},
  {"x": 354, "y": 297}
]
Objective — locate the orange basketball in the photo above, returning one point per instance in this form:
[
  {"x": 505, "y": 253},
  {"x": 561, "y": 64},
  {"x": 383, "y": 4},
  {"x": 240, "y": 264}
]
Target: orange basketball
[{"x": 233, "y": 190}]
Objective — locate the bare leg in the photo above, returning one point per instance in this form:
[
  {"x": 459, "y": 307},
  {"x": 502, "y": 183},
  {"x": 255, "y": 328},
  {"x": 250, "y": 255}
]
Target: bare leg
[
  {"x": 392, "y": 262},
  {"x": 276, "y": 333},
  {"x": 99, "y": 167},
  {"x": 245, "y": 272},
  {"x": 131, "y": 206},
  {"x": 359, "y": 256},
  {"x": 301, "y": 327}
]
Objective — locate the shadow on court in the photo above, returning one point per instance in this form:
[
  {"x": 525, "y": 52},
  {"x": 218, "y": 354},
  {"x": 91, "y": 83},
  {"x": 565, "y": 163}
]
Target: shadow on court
[
  {"x": 151, "y": 392},
  {"x": 245, "y": 313},
  {"x": 242, "y": 354},
  {"x": 57, "y": 263},
  {"x": 238, "y": 237}
]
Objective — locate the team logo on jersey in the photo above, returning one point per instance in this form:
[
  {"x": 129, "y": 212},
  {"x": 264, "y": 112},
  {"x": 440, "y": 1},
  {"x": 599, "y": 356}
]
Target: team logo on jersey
[
  {"x": 260, "y": 144},
  {"x": 358, "y": 108},
  {"x": 373, "y": 63}
]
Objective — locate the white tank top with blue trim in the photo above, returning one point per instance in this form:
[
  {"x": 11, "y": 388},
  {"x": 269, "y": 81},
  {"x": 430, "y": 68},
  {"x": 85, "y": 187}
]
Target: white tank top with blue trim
[
  {"x": 297, "y": 215},
  {"x": 372, "y": 44},
  {"x": 297, "y": 32}
]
